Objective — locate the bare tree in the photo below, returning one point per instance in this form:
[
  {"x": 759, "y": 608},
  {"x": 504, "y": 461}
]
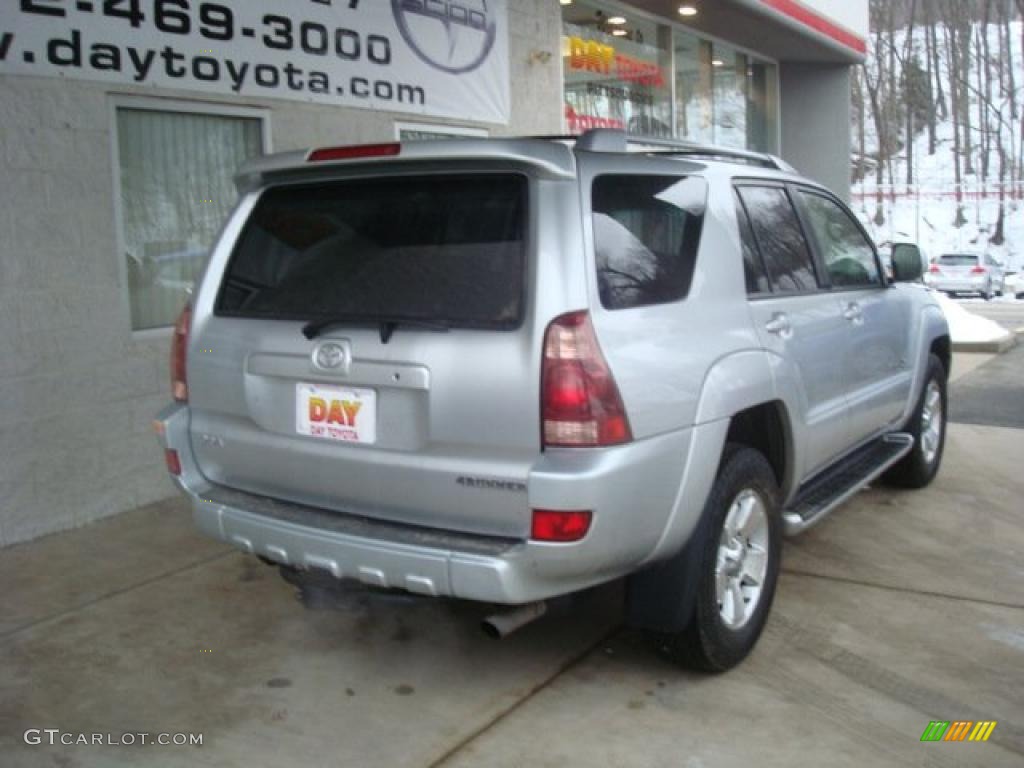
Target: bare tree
[
  {"x": 950, "y": 28},
  {"x": 934, "y": 103}
]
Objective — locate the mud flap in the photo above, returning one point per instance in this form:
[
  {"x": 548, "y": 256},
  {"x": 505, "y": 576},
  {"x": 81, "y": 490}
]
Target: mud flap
[{"x": 663, "y": 597}]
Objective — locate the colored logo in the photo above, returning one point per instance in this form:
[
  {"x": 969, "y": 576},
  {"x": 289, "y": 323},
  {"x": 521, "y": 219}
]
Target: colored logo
[
  {"x": 454, "y": 36},
  {"x": 958, "y": 730},
  {"x": 603, "y": 59},
  {"x": 341, "y": 412}
]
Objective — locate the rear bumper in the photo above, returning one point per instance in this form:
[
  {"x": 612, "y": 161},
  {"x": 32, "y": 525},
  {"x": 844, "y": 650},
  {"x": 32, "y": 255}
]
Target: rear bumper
[
  {"x": 632, "y": 489},
  {"x": 966, "y": 285}
]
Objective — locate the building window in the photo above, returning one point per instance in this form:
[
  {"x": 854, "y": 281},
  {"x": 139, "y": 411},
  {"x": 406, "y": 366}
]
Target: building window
[
  {"x": 428, "y": 131},
  {"x": 176, "y": 189},
  {"x": 620, "y": 68},
  {"x": 723, "y": 96},
  {"x": 617, "y": 71}
]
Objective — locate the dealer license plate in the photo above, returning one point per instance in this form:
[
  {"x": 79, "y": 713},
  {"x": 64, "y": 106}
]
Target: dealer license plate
[{"x": 347, "y": 414}]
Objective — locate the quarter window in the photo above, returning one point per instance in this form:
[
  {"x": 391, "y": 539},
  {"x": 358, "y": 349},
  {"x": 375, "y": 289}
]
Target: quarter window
[
  {"x": 848, "y": 256},
  {"x": 646, "y": 233},
  {"x": 780, "y": 238}
]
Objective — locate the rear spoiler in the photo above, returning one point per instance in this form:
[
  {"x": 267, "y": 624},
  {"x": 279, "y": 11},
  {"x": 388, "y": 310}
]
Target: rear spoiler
[{"x": 552, "y": 159}]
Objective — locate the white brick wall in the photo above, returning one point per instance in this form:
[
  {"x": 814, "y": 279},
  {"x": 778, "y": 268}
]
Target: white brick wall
[{"x": 77, "y": 388}]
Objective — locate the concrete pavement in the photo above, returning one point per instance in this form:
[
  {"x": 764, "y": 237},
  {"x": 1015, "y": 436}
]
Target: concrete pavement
[{"x": 901, "y": 608}]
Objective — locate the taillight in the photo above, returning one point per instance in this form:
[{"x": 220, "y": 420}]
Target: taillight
[
  {"x": 173, "y": 461},
  {"x": 179, "y": 346},
  {"x": 353, "y": 152},
  {"x": 560, "y": 526},
  {"x": 580, "y": 402},
  {"x": 934, "y": 269},
  {"x": 978, "y": 270}
]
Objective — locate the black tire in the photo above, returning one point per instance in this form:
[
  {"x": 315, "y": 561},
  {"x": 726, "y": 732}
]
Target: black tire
[
  {"x": 708, "y": 643},
  {"x": 915, "y": 470}
]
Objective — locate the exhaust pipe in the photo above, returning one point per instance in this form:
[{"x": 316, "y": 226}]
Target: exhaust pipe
[{"x": 501, "y": 625}]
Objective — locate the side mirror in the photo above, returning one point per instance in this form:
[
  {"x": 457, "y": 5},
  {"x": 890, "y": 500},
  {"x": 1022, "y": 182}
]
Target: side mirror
[{"x": 907, "y": 265}]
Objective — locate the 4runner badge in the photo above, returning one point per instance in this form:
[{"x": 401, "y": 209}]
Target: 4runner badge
[{"x": 488, "y": 483}]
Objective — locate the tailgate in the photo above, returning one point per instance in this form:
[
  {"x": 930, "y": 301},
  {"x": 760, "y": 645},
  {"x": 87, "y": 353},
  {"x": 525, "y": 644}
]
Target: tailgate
[{"x": 418, "y": 399}]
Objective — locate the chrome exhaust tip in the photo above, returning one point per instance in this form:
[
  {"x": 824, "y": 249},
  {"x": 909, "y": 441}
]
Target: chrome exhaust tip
[{"x": 501, "y": 625}]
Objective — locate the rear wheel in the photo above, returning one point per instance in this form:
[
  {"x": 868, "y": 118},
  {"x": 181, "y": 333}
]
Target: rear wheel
[
  {"x": 739, "y": 566},
  {"x": 927, "y": 425}
]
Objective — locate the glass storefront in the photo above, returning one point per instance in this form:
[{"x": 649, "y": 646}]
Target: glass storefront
[{"x": 622, "y": 70}]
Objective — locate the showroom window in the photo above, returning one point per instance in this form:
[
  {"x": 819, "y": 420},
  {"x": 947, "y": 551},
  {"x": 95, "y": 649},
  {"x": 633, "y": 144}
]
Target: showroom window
[
  {"x": 175, "y": 171},
  {"x": 623, "y": 70},
  {"x": 617, "y": 71}
]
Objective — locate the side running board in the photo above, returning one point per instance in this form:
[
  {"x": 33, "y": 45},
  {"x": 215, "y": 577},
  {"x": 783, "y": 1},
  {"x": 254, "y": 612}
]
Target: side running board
[{"x": 828, "y": 490}]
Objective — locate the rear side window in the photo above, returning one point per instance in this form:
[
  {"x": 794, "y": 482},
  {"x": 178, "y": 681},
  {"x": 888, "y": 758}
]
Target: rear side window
[
  {"x": 646, "y": 234},
  {"x": 753, "y": 267},
  {"x": 779, "y": 238},
  {"x": 447, "y": 249},
  {"x": 848, "y": 256}
]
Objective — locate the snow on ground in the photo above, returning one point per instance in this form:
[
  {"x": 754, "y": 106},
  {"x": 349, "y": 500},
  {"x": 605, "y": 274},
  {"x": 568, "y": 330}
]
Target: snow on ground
[
  {"x": 967, "y": 327},
  {"x": 925, "y": 214}
]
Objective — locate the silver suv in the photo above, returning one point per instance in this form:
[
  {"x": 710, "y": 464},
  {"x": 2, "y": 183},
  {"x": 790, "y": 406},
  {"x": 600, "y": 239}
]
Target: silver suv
[{"x": 510, "y": 370}]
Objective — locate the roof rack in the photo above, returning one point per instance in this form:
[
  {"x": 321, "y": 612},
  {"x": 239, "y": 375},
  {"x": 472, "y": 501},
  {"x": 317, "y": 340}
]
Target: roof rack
[{"x": 613, "y": 140}]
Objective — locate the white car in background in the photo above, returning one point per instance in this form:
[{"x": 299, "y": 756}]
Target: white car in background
[
  {"x": 955, "y": 273},
  {"x": 1013, "y": 284}
]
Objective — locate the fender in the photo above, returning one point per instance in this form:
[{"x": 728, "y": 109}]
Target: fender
[
  {"x": 932, "y": 325},
  {"x": 753, "y": 377},
  {"x": 734, "y": 382}
]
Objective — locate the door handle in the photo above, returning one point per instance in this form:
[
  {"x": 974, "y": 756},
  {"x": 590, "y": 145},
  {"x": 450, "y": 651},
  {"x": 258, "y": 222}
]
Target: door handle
[
  {"x": 853, "y": 313},
  {"x": 779, "y": 324}
]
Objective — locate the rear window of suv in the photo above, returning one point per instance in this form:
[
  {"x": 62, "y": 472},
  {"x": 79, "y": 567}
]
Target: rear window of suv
[
  {"x": 435, "y": 248},
  {"x": 958, "y": 260}
]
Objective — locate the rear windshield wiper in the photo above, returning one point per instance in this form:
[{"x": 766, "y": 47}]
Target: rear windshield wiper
[{"x": 386, "y": 324}]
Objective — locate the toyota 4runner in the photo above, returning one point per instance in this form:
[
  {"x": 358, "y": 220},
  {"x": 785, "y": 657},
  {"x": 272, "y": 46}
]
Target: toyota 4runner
[{"x": 509, "y": 370}]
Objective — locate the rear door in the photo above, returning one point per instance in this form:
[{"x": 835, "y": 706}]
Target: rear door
[
  {"x": 878, "y": 318},
  {"x": 796, "y": 318},
  {"x": 419, "y": 402}
]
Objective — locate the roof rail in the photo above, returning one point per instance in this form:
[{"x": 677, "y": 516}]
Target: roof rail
[{"x": 613, "y": 140}]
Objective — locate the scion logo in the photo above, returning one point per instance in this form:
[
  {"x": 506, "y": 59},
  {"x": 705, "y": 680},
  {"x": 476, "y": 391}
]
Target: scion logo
[{"x": 454, "y": 36}]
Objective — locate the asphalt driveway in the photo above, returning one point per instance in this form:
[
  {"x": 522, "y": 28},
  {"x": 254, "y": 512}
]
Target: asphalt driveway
[{"x": 992, "y": 394}]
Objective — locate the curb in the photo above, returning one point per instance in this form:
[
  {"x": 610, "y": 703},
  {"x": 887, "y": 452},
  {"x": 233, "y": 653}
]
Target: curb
[{"x": 997, "y": 347}]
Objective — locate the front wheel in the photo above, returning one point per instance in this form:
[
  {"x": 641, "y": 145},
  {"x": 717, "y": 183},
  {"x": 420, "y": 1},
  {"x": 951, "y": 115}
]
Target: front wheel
[
  {"x": 927, "y": 425},
  {"x": 739, "y": 565}
]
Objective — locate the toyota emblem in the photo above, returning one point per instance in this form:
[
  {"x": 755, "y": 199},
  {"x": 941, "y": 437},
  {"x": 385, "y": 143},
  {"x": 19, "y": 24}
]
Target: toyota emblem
[{"x": 330, "y": 355}]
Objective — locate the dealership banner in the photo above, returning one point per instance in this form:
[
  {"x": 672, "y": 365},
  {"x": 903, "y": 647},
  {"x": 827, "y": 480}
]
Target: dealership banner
[{"x": 447, "y": 58}]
